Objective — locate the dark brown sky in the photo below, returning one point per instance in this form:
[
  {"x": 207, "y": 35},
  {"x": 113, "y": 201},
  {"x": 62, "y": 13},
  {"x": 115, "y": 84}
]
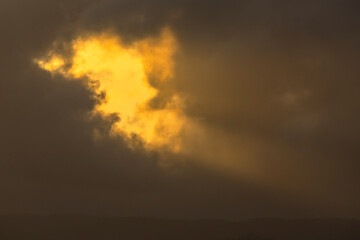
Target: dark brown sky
[{"x": 274, "y": 83}]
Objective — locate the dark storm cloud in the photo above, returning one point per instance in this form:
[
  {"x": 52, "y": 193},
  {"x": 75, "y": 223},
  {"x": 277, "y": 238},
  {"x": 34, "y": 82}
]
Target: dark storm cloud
[{"x": 281, "y": 76}]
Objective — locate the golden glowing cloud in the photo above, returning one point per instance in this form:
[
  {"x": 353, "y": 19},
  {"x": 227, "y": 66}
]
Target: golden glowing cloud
[
  {"x": 52, "y": 64},
  {"x": 122, "y": 72}
]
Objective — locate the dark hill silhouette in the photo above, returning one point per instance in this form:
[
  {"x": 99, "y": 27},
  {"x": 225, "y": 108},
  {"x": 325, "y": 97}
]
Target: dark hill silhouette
[{"x": 88, "y": 228}]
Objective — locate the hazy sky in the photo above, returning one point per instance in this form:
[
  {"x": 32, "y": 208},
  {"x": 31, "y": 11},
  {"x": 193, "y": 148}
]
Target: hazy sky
[{"x": 260, "y": 107}]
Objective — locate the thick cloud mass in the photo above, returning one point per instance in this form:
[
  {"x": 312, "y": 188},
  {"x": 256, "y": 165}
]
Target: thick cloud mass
[{"x": 274, "y": 85}]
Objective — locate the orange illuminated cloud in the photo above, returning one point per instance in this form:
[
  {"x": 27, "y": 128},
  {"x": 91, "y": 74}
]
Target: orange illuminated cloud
[{"x": 122, "y": 72}]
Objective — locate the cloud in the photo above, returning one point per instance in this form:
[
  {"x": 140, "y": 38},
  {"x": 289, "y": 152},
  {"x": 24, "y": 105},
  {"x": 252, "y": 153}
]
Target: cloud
[
  {"x": 120, "y": 76},
  {"x": 239, "y": 64}
]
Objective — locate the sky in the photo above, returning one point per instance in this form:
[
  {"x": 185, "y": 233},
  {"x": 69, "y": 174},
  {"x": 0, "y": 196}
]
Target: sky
[{"x": 180, "y": 109}]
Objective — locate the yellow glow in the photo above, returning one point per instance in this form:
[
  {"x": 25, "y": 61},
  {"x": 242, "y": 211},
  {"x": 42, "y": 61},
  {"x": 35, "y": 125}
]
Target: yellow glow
[
  {"x": 122, "y": 72},
  {"x": 53, "y": 64}
]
